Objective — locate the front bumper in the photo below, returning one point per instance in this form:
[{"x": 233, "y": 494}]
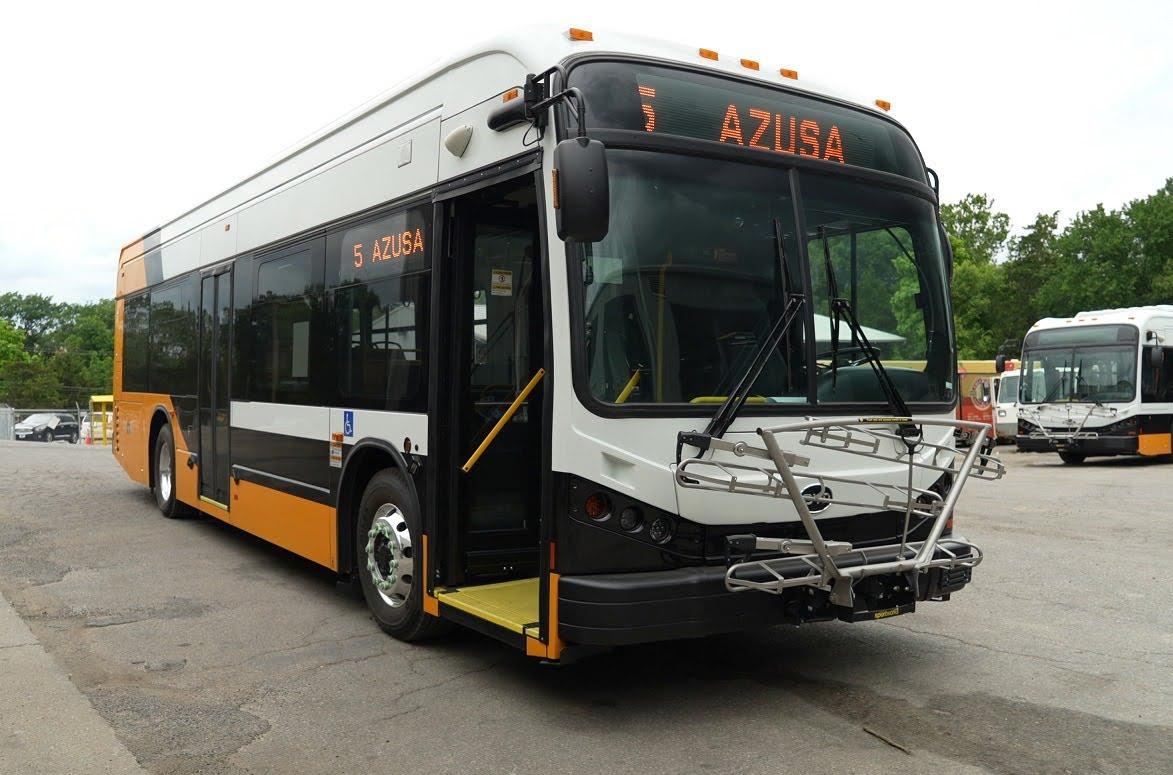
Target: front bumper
[
  {"x": 614, "y": 609},
  {"x": 1099, "y": 445}
]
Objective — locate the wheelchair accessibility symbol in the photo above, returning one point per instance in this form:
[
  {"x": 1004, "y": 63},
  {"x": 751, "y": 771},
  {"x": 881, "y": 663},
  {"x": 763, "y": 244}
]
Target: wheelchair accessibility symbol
[{"x": 348, "y": 424}]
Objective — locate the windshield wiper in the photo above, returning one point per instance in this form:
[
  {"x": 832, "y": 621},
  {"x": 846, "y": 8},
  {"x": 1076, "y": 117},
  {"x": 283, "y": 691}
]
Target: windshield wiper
[
  {"x": 736, "y": 399},
  {"x": 841, "y": 309}
]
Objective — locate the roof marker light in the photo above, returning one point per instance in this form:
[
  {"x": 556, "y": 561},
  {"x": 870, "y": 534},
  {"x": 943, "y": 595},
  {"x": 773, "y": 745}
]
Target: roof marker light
[
  {"x": 750, "y": 64},
  {"x": 708, "y": 53},
  {"x": 884, "y": 105},
  {"x": 786, "y": 72},
  {"x": 574, "y": 33},
  {"x": 509, "y": 95}
]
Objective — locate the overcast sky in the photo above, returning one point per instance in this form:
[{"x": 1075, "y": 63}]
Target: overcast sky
[{"x": 117, "y": 117}]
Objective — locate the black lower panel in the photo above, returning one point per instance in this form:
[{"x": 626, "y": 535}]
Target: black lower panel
[
  {"x": 623, "y": 608},
  {"x": 291, "y": 457}
]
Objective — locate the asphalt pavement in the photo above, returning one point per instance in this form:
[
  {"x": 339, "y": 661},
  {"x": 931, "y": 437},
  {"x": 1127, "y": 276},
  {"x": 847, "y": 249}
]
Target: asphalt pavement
[{"x": 187, "y": 646}]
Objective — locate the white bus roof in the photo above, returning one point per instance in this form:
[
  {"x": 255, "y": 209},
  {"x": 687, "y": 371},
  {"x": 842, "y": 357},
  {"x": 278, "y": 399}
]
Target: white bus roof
[
  {"x": 209, "y": 231},
  {"x": 1137, "y": 316}
]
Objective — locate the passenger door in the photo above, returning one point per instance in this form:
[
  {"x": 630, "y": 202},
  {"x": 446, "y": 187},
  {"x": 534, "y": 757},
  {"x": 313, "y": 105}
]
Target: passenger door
[
  {"x": 214, "y": 397},
  {"x": 497, "y": 339}
]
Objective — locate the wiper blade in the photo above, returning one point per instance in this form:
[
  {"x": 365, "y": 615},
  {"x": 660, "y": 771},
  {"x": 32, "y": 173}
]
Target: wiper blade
[
  {"x": 738, "y": 395},
  {"x": 841, "y": 309}
]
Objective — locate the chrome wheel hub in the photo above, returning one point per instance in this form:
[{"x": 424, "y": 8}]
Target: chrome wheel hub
[
  {"x": 390, "y": 560},
  {"x": 165, "y": 481}
]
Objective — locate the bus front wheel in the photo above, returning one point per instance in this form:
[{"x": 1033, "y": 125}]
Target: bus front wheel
[
  {"x": 389, "y": 558},
  {"x": 1071, "y": 458}
]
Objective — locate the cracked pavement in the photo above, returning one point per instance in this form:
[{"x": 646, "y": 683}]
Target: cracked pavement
[{"x": 206, "y": 650}]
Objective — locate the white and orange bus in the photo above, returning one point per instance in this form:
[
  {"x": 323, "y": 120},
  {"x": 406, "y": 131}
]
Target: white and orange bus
[{"x": 458, "y": 348}]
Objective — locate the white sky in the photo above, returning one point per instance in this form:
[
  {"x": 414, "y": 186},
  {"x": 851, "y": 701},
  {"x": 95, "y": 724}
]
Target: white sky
[{"x": 116, "y": 117}]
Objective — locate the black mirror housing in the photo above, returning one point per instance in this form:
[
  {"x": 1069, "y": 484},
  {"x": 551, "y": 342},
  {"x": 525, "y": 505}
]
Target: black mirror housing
[
  {"x": 582, "y": 196},
  {"x": 1157, "y": 356},
  {"x": 1000, "y": 364}
]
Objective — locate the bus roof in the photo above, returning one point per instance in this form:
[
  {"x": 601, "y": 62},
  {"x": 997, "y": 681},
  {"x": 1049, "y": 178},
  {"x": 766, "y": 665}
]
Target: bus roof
[
  {"x": 206, "y": 233},
  {"x": 1137, "y": 316}
]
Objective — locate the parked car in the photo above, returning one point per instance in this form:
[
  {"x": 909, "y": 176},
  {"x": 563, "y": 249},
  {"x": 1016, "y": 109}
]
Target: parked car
[
  {"x": 86, "y": 428},
  {"x": 46, "y": 426}
]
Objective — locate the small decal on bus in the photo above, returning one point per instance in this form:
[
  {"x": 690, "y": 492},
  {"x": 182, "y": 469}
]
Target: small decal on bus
[{"x": 348, "y": 424}]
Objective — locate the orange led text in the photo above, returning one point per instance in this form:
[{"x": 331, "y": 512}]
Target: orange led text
[
  {"x": 388, "y": 247},
  {"x": 782, "y": 134}
]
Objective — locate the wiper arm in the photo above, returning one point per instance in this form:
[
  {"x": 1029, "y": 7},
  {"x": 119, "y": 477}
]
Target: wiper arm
[
  {"x": 841, "y": 309},
  {"x": 733, "y": 403}
]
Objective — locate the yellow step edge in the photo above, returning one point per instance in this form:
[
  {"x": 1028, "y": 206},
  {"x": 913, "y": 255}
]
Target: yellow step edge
[{"x": 509, "y": 604}]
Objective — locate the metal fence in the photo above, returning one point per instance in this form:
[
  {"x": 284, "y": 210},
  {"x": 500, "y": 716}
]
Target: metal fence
[{"x": 10, "y": 416}]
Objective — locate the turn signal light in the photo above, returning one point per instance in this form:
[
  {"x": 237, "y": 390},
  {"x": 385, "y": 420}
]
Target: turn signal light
[{"x": 597, "y": 507}]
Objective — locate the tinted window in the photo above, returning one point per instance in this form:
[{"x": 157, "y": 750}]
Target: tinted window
[
  {"x": 381, "y": 312},
  {"x": 174, "y": 328},
  {"x": 135, "y": 340},
  {"x": 381, "y": 342},
  {"x": 286, "y": 311}
]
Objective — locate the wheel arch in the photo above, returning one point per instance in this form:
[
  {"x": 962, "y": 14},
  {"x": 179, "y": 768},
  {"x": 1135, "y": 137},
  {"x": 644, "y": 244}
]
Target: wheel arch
[
  {"x": 159, "y": 418},
  {"x": 366, "y": 458}
]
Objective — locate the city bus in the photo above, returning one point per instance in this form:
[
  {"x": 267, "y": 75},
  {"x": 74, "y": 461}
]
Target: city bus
[
  {"x": 1099, "y": 383},
  {"x": 471, "y": 346}
]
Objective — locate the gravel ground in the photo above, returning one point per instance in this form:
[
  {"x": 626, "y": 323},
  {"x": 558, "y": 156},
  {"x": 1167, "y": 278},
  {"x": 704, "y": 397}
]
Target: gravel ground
[{"x": 209, "y": 651}]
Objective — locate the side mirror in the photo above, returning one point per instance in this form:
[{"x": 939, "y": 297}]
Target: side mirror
[
  {"x": 1000, "y": 364},
  {"x": 1157, "y": 356},
  {"x": 582, "y": 197}
]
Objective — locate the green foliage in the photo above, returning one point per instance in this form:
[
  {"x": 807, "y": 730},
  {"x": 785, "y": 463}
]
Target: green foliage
[
  {"x": 54, "y": 355},
  {"x": 1102, "y": 259}
]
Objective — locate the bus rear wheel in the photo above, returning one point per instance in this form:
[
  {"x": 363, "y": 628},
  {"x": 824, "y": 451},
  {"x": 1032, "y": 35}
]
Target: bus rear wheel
[
  {"x": 1071, "y": 458},
  {"x": 163, "y": 475},
  {"x": 388, "y": 558}
]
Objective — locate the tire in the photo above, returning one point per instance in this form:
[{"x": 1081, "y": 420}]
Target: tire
[
  {"x": 163, "y": 475},
  {"x": 387, "y": 536},
  {"x": 48, "y": 437},
  {"x": 1071, "y": 458},
  {"x": 74, "y": 437}
]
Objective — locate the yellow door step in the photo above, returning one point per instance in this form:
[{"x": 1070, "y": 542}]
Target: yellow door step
[{"x": 508, "y": 604}]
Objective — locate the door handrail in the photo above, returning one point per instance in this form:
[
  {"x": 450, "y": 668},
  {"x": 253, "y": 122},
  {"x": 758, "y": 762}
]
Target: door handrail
[{"x": 505, "y": 418}]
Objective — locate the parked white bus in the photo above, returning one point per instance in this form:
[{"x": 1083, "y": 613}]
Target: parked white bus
[
  {"x": 1099, "y": 383},
  {"x": 530, "y": 343}
]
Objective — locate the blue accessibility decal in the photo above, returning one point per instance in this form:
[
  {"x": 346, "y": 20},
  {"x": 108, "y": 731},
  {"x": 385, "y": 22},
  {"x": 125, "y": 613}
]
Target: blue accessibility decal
[{"x": 348, "y": 423}]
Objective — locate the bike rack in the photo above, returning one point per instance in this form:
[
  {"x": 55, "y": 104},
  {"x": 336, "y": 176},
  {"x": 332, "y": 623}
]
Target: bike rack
[{"x": 868, "y": 437}]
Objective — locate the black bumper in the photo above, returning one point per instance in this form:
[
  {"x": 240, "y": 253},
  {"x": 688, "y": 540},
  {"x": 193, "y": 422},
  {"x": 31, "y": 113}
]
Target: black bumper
[
  {"x": 615, "y": 609},
  {"x": 1100, "y": 445}
]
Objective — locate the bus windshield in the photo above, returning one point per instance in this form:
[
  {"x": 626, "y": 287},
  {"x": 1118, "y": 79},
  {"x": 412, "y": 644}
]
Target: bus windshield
[
  {"x": 1088, "y": 364},
  {"x": 689, "y": 280}
]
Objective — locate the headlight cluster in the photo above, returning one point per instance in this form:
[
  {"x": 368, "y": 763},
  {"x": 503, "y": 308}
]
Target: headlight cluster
[{"x": 590, "y": 503}]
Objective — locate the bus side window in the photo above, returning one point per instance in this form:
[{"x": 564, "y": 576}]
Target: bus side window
[
  {"x": 285, "y": 314},
  {"x": 135, "y": 343}
]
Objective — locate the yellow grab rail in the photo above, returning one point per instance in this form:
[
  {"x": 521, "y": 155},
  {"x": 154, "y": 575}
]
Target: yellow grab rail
[
  {"x": 512, "y": 410},
  {"x": 629, "y": 387}
]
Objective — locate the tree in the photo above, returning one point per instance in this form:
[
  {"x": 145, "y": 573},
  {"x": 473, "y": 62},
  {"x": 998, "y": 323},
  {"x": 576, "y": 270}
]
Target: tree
[
  {"x": 35, "y": 315},
  {"x": 11, "y": 344},
  {"x": 976, "y": 232},
  {"x": 29, "y": 384}
]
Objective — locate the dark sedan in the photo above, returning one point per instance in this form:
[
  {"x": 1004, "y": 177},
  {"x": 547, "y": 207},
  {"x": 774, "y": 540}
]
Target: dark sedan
[{"x": 45, "y": 426}]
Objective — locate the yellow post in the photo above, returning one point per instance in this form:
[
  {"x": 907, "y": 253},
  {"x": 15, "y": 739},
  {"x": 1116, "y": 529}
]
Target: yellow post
[
  {"x": 629, "y": 387},
  {"x": 505, "y": 418},
  {"x": 100, "y": 405}
]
